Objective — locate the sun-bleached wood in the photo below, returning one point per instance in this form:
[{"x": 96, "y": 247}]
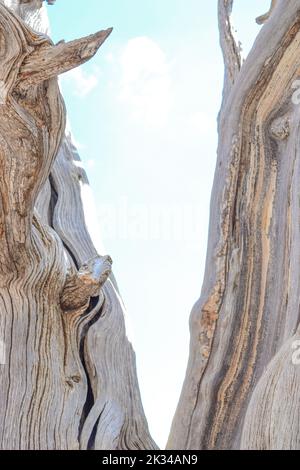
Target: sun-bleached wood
[
  {"x": 69, "y": 381},
  {"x": 263, "y": 18},
  {"x": 230, "y": 47},
  {"x": 241, "y": 388}
]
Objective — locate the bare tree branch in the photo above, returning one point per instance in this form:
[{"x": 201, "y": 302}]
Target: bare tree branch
[
  {"x": 49, "y": 61},
  {"x": 230, "y": 48}
]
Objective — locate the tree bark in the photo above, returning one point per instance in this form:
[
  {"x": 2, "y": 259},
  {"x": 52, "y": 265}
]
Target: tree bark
[
  {"x": 69, "y": 379},
  {"x": 242, "y": 384}
]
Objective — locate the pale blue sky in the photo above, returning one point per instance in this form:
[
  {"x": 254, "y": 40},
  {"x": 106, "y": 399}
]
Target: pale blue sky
[{"x": 143, "y": 112}]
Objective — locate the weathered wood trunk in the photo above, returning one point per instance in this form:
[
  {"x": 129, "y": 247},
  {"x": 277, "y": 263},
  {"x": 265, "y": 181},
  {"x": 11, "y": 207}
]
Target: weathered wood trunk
[
  {"x": 242, "y": 383},
  {"x": 68, "y": 379}
]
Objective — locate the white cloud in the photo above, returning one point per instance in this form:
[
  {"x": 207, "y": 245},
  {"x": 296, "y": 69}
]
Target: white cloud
[
  {"x": 91, "y": 163},
  {"x": 145, "y": 81},
  {"x": 110, "y": 58},
  {"x": 201, "y": 123},
  {"x": 82, "y": 83}
]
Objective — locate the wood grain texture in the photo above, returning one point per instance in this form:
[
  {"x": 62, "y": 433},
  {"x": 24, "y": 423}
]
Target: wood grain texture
[
  {"x": 248, "y": 311},
  {"x": 231, "y": 48},
  {"x": 61, "y": 321},
  {"x": 272, "y": 419}
]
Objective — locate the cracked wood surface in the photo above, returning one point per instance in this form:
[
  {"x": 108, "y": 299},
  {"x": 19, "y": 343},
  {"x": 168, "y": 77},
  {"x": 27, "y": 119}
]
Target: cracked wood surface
[
  {"x": 70, "y": 380},
  {"x": 242, "y": 329}
]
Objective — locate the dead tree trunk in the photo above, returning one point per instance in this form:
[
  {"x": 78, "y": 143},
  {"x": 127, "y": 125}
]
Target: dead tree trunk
[
  {"x": 68, "y": 380},
  {"x": 242, "y": 383}
]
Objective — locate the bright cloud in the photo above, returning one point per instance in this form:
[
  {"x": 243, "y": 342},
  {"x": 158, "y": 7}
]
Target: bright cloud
[
  {"x": 201, "y": 123},
  {"x": 82, "y": 83},
  {"x": 91, "y": 163},
  {"x": 145, "y": 81}
]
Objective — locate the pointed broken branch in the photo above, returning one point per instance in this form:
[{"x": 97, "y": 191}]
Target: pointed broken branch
[
  {"x": 49, "y": 61},
  {"x": 84, "y": 284}
]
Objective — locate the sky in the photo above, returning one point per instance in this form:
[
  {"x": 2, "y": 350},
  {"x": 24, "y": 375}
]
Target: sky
[{"x": 143, "y": 114}]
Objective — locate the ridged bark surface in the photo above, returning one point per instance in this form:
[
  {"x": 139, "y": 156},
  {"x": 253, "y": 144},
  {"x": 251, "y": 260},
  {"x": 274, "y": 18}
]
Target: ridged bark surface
[
  {"x": 242, "y": 387},
  {"x": 69, "y": 378}
]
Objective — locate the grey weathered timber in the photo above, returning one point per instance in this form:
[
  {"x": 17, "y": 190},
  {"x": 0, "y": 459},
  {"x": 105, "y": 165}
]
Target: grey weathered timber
[
  {"x": 241, "y": 388},
  {"x": 69, "y": 380}
]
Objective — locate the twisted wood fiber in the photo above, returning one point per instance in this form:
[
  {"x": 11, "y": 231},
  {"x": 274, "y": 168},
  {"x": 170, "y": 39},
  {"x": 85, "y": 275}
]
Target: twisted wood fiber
[
  {"x": 69, "y": 381},
  {"x": 241, "y": 387}
]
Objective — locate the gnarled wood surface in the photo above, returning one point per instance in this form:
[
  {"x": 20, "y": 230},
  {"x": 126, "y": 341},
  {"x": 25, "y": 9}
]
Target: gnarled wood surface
[
  {"x": 69, "y": 381},
  {"x": 241, "y": 387}
]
